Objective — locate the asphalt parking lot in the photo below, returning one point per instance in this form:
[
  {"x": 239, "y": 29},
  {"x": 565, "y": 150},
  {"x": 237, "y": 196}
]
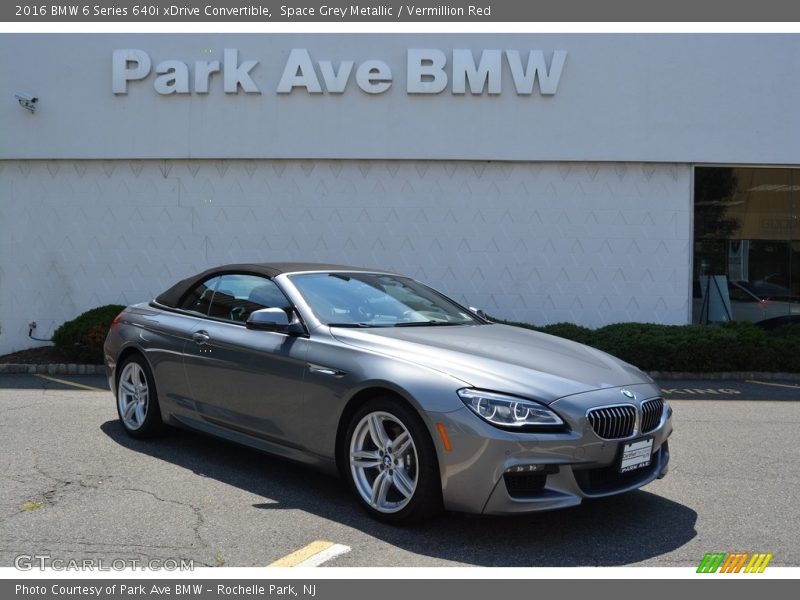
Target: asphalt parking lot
[{"x": 75, "y": 486}]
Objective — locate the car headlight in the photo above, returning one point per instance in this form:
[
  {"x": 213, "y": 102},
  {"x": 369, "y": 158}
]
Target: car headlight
[{"x": 509, "y": 412}]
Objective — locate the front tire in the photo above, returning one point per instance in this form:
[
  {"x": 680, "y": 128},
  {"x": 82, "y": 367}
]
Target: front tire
[
  {"x": 391, "y": 463},
  {"x": 137, "y": 400}
]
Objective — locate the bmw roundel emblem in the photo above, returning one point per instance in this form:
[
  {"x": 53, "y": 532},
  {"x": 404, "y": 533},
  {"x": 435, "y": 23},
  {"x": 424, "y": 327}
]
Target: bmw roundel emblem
[{"x": 628, "y": 394}]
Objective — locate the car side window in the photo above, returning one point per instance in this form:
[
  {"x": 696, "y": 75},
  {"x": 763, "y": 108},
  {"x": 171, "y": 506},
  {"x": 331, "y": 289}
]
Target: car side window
[
  {"x": 238, "y": 295},
  {"x": 199, "y": 298}
]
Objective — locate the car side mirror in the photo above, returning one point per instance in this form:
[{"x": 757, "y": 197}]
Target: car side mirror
[
  {"x": 478, "y": 311},
  {"x": 268, "y": 319}
]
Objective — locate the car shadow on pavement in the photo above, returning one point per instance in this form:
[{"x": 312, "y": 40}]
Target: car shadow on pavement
[{"x": 615, "y": 531}]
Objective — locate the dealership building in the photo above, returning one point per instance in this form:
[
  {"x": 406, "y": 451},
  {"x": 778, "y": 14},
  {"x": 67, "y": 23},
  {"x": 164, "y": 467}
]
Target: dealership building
[{"x": 590, "y": 178}]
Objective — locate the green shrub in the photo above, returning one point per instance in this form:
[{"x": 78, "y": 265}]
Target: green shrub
[
  {"x": 694, "y": 348},
  {"x": 82, "y": 338},
  {"x": 571, "y": 331},
  {"x": 786, "y": 331},
  {"x": 733, "y": 346}
]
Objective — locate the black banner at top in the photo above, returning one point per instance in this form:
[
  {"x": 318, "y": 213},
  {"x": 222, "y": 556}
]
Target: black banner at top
[{"x": 337, "y": 11}]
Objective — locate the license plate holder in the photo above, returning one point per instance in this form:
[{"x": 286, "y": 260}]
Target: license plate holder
[{"x": 637, "y": 454}]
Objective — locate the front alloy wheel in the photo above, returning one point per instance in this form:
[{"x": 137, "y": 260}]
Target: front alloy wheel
[
  {"x": 383, "y": 462},
  {"x": 392, "y": 464}
]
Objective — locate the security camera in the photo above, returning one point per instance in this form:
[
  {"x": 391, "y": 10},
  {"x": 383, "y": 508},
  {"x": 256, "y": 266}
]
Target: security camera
[{"x": 27, "y": 101}]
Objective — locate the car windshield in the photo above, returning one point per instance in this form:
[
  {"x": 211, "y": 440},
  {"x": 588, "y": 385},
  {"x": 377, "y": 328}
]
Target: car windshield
[{"x": 376, "y": 300}]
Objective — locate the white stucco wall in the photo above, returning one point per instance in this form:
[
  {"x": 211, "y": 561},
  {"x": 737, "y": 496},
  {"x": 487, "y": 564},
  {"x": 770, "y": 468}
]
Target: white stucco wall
[
  {"x": 591, "y": 243},
  {"x": 621, "y": 97}
]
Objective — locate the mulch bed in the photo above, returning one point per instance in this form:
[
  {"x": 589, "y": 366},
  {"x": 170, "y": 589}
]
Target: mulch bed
[{"x": 39, "y": 356}]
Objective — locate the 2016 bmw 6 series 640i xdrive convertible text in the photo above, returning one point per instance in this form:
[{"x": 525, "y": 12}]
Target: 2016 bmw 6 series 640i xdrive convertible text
[{"x": 419, "y": 402}]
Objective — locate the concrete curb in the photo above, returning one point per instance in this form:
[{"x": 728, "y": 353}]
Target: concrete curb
[{"x": 53, "y": 369}]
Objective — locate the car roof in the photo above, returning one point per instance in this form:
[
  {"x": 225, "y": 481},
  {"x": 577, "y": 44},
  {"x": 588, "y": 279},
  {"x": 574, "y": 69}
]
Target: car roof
[
  {"x": 172, "y": 297},
  {"x": 278, "y": 268}
]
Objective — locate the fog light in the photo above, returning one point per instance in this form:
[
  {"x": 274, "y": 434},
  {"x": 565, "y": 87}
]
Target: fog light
[
  {"x": 532, "y": 469},
  {"x": 527, "y": 481}
]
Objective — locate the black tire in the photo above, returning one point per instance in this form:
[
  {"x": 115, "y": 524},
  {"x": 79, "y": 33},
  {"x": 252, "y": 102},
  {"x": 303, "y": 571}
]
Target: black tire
[
  {"x": 148, "y": 422},
  {"x": 420, "y": 463}
]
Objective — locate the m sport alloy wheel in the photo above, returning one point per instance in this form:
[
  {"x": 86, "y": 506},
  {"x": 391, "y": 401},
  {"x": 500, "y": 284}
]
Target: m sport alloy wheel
[
  {"x": 392, "y": 463},
  {"x": 137, "y": 401}
]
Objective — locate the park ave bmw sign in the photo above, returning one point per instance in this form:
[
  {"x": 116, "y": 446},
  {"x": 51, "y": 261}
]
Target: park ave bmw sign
[{"x": 428, "y": 71}]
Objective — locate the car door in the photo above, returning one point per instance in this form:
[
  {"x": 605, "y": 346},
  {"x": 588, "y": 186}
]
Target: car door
[
  {"x": 163, "y": 336},
  {"x": 245, "y": 380}
]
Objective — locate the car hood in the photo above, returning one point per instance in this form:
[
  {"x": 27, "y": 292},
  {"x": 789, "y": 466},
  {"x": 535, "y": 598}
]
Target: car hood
[{"x": 500, "y": 358}]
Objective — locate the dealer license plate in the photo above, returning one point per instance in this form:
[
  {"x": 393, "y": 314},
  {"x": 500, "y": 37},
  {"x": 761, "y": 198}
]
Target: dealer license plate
[{"x": 636, "y": 455}]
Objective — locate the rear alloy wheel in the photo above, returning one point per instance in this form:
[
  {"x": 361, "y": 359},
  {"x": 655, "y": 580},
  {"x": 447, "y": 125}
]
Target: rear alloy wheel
[
  {"x": 137, "y": 401},
  {"x": 392, "y": 464}
]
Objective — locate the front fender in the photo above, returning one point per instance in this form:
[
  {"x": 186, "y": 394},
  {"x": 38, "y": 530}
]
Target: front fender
[{"x": 348, "y": 372}]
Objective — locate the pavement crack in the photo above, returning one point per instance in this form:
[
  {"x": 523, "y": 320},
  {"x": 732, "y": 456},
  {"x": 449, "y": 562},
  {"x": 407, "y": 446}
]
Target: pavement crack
[
  {"x": 50, "y": 495},
  {"x": 59, "y": 487},
  {"x": 199, "y": 520}
]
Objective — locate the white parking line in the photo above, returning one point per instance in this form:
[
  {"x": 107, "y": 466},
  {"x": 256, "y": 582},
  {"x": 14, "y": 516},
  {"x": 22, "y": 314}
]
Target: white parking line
[
  {"x": 786, "y": 385},
  {"x": 72, "y": 383},
  {"x": 313, "y": 555}
]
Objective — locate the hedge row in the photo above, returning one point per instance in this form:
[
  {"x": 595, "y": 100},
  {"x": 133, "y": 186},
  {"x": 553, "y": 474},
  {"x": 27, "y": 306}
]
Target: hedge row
[
  {"x": 732, "y": 346},
  {"x": 82, "y": 338}
]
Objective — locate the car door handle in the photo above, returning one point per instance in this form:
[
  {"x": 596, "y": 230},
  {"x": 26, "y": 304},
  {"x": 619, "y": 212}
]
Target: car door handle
[
  {"x": 201, "y": 337},
  {"x": 322, "y": 370}
]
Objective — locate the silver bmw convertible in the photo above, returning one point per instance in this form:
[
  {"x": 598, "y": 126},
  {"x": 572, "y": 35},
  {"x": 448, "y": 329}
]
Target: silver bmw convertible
[{"x": 418, "y": 402}]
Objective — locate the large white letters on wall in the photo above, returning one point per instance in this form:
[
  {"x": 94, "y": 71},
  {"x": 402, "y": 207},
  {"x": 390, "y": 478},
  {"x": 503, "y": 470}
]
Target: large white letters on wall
[{"x": 428, "y": 71}]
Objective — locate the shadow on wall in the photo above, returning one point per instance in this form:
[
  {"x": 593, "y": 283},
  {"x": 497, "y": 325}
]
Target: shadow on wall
[{"x": 607, "y": 532}]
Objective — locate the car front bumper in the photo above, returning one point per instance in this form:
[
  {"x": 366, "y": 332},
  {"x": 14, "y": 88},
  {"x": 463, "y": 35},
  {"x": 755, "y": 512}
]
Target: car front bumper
[{"x": 492, "y": 471}]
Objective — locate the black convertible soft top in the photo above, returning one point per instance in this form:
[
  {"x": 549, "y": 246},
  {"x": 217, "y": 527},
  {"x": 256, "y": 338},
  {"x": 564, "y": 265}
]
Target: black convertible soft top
[{"x": 175, "y": 294}]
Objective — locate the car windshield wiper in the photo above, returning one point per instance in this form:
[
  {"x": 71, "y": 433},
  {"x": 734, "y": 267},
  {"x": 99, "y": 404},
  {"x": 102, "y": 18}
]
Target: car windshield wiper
[
  {"x": 359, "y": 324},
  {"x": 427, "y": 324}
]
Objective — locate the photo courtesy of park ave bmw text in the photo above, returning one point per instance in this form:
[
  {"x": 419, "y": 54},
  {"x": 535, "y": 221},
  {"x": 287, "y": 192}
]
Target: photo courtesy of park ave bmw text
[{"x": 589, "y": 178}]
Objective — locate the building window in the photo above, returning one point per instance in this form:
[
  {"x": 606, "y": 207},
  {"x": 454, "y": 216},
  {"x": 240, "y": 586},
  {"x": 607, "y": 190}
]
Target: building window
[{"x": 746, "y": 245}]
